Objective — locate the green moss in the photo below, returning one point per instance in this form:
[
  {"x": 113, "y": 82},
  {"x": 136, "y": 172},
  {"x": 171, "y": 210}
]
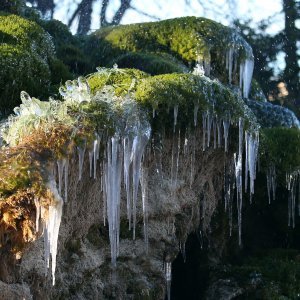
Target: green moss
[
  {"x": 282, "y": 147},
  {"x": 150, "y": 63},
  {"x": 188, "y": 39},
  {"x": 163, "y": 92},
  {"x": 24, "y": 55},
  {"x": 68, "y": 47},
  {"x": 120, "y": 79}
]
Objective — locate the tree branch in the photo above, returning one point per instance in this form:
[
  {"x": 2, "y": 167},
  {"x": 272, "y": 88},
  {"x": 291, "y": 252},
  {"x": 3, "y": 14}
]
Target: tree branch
[
  {"x": 125, "y": 4},
  {"x": 103, "y": 21}
]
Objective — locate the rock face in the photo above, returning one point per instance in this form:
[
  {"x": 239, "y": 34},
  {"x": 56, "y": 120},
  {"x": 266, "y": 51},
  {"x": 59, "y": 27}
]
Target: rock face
[{"x": 175, "y": 209}]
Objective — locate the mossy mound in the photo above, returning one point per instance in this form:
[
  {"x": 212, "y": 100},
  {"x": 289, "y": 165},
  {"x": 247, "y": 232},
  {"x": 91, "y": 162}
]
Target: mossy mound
[
  {"x": 68, "y": 48},
  {"x": 150, "y": 63},
  {"x": 161, "y": 93},
  {"x": 282, "y": 148},
  {"x": 25, "y": 52},
  {"x": 188, "y": 39},
  {"x": 270, "y": 115}
]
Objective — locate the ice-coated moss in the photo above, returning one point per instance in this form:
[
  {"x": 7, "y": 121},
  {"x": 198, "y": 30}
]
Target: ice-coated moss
[
  {"x": 188, "y": 39},
  {"x": 270, "y": 115},
  {"x": 25, "y": 52},
  {"x": 122, "y": 80}
]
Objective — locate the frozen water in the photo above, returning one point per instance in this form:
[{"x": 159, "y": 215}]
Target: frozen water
[
  {"x": 52, "y": 225},
  {"x": 144, "y": 187},
  {"x": 81, "y": 152},
  {"x": 246, "y": 71},
  {"x": 196, "y": 108},
  {"x": 175, "y": 116}
]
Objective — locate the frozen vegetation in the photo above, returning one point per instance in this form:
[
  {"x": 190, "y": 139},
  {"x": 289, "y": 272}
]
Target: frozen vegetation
[{"x": 109, "y": 119}]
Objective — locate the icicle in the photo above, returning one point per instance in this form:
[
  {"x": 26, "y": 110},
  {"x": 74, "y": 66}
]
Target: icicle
[
  {"x": 144, "y": 187},
  {"x": 37, "y": 214},
  {"x": 60, "y": 168},
  {"x": 81, "y": 151},
  {"x": 246, "y": 71},
  {"x": 186, "y": 145},
  {"x": 91, "y": 161},
  {"x": 291, "y": 187},
  {"x": 104, "y": 190},
  {"x": 226, "y": 124},
  {"x": 127, "y": 145},
  {"x": 209, "y": 124},
  {"x": 219, "y": 133},
  {"x": 168, "y": 274},
  {"x": 204, "y": 127},
  {"x": 246, "y": 160},
  {"x": 175, "y": 116},
  {"x": 182, "y": 250},
  {"x": 96, "y": 148},
  {"x": 239, "y": 178},
  {"x": 215, "y": 132},
  {"x": 252, "y": 147},
  {"x": 113, "y": 190},
  {"x": 52, "y": 227},
  {"x": 196, "y": 108},
  {"x": 138, "y": 146},
  {"x": 271, "y": 182},
  {"x": 66, "y": 176}
]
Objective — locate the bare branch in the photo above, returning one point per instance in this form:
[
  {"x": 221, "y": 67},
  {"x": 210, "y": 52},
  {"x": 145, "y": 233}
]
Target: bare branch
[
  {"x": 125, "y": 4},
  {"x": 85, "y": 17},
  {"x": 103, "y": 21}
]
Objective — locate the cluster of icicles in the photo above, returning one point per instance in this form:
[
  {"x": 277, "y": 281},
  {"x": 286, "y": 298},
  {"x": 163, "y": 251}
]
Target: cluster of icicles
[{"x": 244, "y": 68}]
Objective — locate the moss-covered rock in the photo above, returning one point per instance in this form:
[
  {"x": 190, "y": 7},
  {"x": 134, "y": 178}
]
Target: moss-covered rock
[
  {"x": 25, "y": 52},
  {"x": 189, "y": 39},
  {"x": 282, "y": 147},
  {"x": 68, "y": 47},
  {"x": 270, "y": 115},
  {"x": 150, "y": 63}
]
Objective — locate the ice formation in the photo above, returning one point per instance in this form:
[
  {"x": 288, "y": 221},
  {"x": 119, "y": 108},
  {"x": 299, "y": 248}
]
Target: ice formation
[
  {"x": 51, "y": 227},
  {"x": 168, "y": 275},
  {"x": 271, "y": 182}
]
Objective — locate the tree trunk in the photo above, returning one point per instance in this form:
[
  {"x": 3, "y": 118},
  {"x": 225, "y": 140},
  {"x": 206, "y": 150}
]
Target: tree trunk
[{"x": 291, "y": 34}]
